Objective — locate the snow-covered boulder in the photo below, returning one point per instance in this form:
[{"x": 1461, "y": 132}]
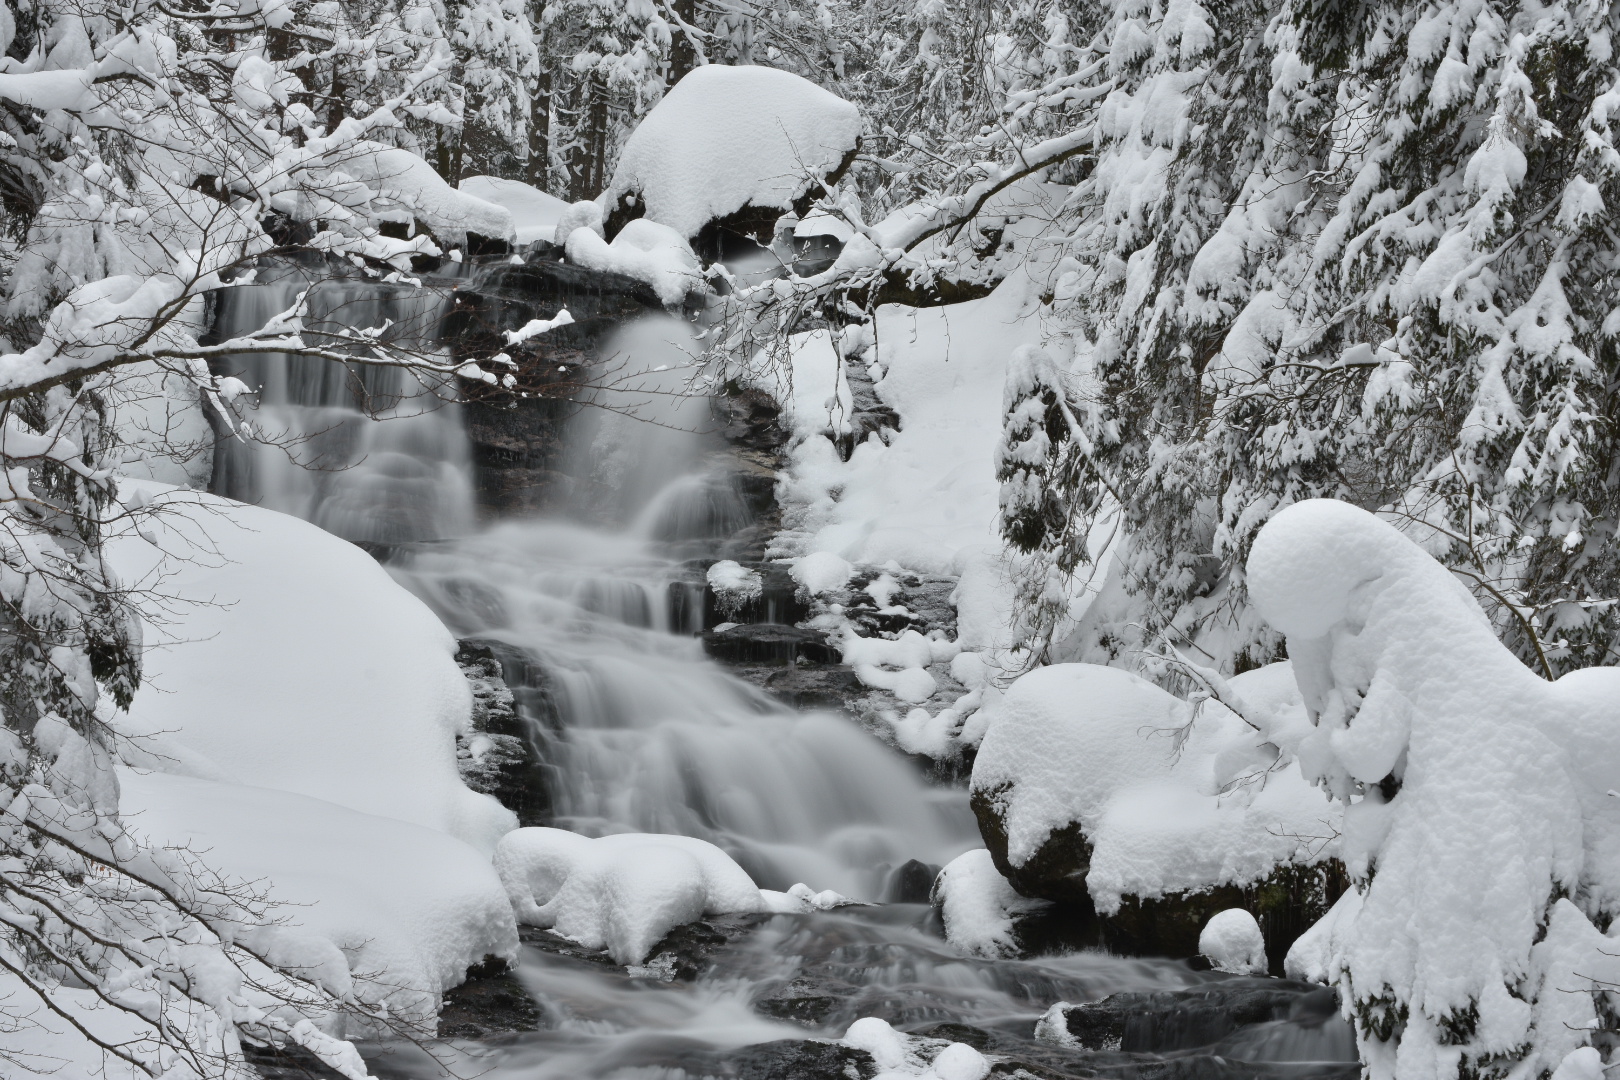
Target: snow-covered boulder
[
  {"x": 978, "y": 906},
  {"x": 408, "y": 907},
  {"x": 732, "y": 142},
  {"x": 1093, "y": 784},
  {"x": 622, "y": 892},
  {"x": 396, "y": 185}
]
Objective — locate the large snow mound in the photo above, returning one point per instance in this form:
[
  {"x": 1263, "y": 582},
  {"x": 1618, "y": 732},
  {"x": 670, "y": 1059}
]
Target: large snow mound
[
  {"x": 728, "y": 137},
  {"x": 409, "y": 905},
  {"x": 293, "y": 661},
  {"x": 1478, "y": 789},
  {"x": 1171, "y": 798},
  {"x": 621, "y": 892},
  {"x": 535, "y": 214}
]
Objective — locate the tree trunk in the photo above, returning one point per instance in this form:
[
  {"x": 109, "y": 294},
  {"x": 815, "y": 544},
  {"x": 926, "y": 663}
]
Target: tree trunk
[
  {"x": 539, "y": 170},
  {"x": 683, "y": 53}
]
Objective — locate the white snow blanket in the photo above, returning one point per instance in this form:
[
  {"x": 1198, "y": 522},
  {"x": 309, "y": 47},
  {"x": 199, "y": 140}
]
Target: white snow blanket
[
  {"x": 727, "y": 137},
  {"x": 535, "y": 214},
  {"x": 1170, "y": 802},
  {"x": 410, "y": 904},
  {"x": 294, "y": 662},
  {"x": 621, "y": 892}
]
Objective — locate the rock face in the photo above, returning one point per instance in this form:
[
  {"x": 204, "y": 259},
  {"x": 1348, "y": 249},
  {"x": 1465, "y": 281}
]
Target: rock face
[
  {"x": 517, "y": 441},
  {"x": 499, "y": 757}
]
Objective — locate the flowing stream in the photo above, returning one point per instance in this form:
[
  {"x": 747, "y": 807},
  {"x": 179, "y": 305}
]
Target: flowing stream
[{"x": 638, "y": 731}]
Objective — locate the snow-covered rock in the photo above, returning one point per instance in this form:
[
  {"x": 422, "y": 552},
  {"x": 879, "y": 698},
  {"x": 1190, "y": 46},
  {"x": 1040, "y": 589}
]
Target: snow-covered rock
[
  {"x": 978, "y": 905},
  {"x": 1168, "y": 799},
  {"x": 535, "y": 214},
  {"x": 644, "y": 250},
  {"x": 296, "y": 663},
  {"x": 734, "y": 585},
  {"x": 400, "y": 186},
  {"x": 374, "y": 895},
  {"x": 1232, "y": 942},
  {"x": 621, "y": 892},
  {"x": 728, "y": 137},
  {"x": 899, "y": 1055}
]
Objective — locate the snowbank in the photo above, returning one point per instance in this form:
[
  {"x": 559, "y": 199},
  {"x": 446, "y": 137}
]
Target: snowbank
[
  {"x": 1477, "y": 788},
  {"x": 295, "y": 662},
  {"x": 1169, "y": 800},
  {"x": 978, "y": 905},
  {"x": 409, "y": 905},
  {"x": 644, "y": 250},
  {"x": 534, "y": 213},
  {"x": 728, "y": 137},
  {"x": 622, "y": 892}
]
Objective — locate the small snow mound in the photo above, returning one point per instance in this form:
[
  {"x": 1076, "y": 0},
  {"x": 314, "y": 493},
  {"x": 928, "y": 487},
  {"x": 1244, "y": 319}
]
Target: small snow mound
[
  {"x": 623, "y": 892},
  {"x": 728, "y": 137},
  {"x": 1232, "y": 942},
  {"x": 886, "y": 1045},
  {"x": 535, "y": 214},
  {"x": 822, "y": 572},
  {"x": 959, "y": 1061},
  {"x": 978, "y": 905},
  {"x": 644, "y": 250},
  {"x": 1582, "y": 1064},
  {"x": 734, "y": 585},
  {"x": 580, "y": 215},
  {"x": 801, "y": 899}
]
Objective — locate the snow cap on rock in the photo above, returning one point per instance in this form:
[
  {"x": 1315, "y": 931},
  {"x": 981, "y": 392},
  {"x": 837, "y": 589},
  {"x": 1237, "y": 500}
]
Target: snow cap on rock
[
  {"x": 1232, "y": 942},
  {"x": 727, "y": 137}
]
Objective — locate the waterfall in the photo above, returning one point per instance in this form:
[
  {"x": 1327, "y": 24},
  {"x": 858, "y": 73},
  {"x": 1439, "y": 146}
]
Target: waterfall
[{"x": 317, "y": 453}]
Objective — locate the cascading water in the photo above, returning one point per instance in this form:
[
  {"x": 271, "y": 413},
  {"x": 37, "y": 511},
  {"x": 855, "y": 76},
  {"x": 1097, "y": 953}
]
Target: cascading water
[
  {"x": 317, "y": 454},
  {"x": 643, "y": 733}
]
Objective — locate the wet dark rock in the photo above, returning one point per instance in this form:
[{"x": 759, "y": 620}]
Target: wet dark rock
[
  {"x": 769, "y": 643},
  {"x": 869, "y": 414},
  {"x": 680, "y": 956},
  {"x": 288, "y": 1062},
  {"x": 1286, "y": 903},
  {"x": 498, "y": 758},
  {"x": 977, "y": 1038},
  {"x": 489, "y": 1002},
  {"x": 751, "y": 418},
  {"x": 803, "y": 1001},
  {"x": 820, "y": 686},
  {"x": 1169, "y": 1020},
  {"x": 788, "y": 1059},
  {"x": 912, "y": 882}
]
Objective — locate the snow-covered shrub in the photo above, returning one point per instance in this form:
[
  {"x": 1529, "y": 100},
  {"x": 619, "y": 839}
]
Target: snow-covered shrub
[
  {"x": 621, "y": 892},
  {"x": 1232, "y": 942},
  {"x": 1477, "y": 825}
]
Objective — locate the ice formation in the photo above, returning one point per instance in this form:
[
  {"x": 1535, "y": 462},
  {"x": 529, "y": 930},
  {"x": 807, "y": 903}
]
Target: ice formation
[
  {"x": 621, "y": 892},
  {"x": 726, "y": 137}
]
